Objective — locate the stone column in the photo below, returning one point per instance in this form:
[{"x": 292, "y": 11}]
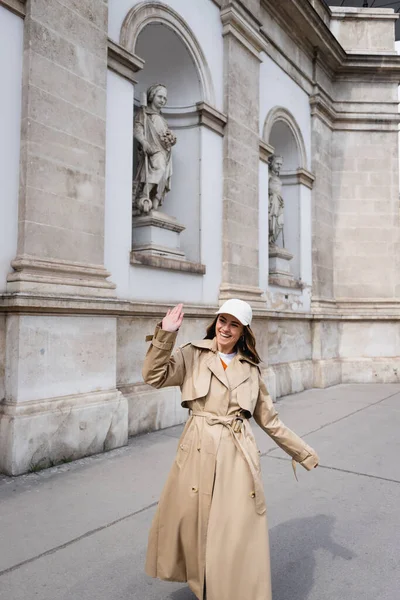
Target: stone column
[
  {"x": 60, "y": 396},
  {"x": 242, "y": 44},
  {"x": 62, "y": 179}
]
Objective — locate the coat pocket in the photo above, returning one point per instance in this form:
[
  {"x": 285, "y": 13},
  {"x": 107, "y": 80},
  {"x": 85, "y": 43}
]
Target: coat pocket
[{"x": 185, "y": 444}]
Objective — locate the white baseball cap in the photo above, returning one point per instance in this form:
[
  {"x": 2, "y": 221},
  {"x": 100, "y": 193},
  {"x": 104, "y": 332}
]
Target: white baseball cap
[{"x": 237, "y": 308}]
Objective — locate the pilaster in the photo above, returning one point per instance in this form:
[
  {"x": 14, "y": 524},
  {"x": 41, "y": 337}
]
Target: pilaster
[
  {"x": 62, "y": 177},
  {"x": 242, "y": 45}
]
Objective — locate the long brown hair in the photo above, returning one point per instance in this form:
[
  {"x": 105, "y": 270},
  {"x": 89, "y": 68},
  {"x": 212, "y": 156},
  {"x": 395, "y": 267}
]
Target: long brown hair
[{"x": 246, "y": 343}]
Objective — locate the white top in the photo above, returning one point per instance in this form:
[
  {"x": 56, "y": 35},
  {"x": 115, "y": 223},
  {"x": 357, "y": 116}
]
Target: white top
[{"x": 227, "y": 357}]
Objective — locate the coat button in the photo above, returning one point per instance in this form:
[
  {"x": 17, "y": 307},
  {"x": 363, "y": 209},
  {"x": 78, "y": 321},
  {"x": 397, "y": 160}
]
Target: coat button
[
  {"x": 195, "y": 490},
  {"x": 252, "y": 494}
]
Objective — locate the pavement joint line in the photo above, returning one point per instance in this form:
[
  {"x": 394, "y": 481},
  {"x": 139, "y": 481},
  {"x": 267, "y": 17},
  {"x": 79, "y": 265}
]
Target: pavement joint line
[
  {"x": 338, "y": 469},
  {"x": 338, "y": 420},
  {"x": 77, "y": 539}
]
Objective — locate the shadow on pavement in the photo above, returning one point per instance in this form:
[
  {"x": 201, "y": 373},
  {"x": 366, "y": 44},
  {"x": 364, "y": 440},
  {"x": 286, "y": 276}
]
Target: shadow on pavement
[
  {"x": 294, "y": 545},
  {"x": 184, "y": 594}
]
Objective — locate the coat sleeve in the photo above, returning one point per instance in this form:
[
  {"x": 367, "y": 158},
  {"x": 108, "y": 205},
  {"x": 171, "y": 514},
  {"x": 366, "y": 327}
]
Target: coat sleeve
[
  {"x": 268, "y": 419},
  {"x": 160, "y": 369}
]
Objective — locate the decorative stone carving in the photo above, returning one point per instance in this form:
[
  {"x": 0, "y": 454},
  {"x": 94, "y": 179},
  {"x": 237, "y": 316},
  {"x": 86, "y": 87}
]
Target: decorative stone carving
[
  {"x": 276, "y": 204},
  {"x": 154, "y": 169}
]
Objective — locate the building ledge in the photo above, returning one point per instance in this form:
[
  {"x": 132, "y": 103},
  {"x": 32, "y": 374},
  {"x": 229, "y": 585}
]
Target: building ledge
[{"x": 168, "y": 264}]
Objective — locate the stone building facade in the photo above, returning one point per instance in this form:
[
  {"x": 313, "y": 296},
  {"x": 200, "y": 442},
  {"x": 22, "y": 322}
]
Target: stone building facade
[{"x": 246, "y": 79}]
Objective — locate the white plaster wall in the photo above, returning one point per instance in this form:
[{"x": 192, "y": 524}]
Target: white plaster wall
[
  {"x": 211, "y": 193},
  {"x": 157, "y": 285},
  {"x": 292, "y": 226},
  {"x": 203, "y": 18},
  {"x": 173, "y": 67},
  {"x": 11, "y": 50},
  {"x": 183, "y": 201},
  {"x": 263, "y": 225},
  {"x": 305, "y": 234},
  {"x": 118, "y": 204},
  {"x": 278, "y": 89}
]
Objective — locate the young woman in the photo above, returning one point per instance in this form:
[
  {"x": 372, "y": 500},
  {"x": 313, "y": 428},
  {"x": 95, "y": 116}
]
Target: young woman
[{"x": 210, "y": 528}]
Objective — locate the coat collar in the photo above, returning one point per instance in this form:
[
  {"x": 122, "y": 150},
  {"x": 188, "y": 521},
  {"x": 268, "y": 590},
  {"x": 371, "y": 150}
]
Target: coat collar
[
  {"x": 212, "y": 345},
  {"x": 232, "y": 377}
]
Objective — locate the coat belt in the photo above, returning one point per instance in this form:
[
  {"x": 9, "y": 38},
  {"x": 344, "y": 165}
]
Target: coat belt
[{"x": 229, "y": 422}]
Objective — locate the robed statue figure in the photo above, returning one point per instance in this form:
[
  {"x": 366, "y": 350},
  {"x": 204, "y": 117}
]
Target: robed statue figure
[
  {"x": 276, "y": 204},
  {"x": 154, "y": 166}
]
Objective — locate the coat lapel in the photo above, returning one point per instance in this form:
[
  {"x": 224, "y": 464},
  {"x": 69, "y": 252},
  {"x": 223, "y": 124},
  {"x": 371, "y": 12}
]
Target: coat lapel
[
  {"x": 215, "y": 365},
  {"x": 238, "y": 372}
]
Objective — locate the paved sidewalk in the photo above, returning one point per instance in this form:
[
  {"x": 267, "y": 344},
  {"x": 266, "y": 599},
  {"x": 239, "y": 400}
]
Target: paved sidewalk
[{"x": 79, "y": 531}]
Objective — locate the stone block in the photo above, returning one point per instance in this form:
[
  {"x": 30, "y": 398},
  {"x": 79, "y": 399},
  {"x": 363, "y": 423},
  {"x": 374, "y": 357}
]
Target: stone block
[
  {"x": 71, "y": 25},
  {"x": 289, "y": 340},
  {"x": 247, "y": 275},
  {"x": 244, "y": 155},
  {"x": 240, "y": 131},
  {"x": 51, "y": 210},
  {"x": 370, "y": 340},
  {"x": 238, "y": 233},
  {"x": 327, "y": 373},
  {"x": 56, "y": 113},
  {"x": 52, "y": 356},
  {"x": 239, "y": 254},
  {"x": 359, "y": 34},
  {"x": 373, "y": 370},
  {"x": 64, "y": 149},
  {"x": 38, "y": 435},
  {"x": 63, "y": 52},
  {"x": 293, "y": 377},
  {"x": 93, "y": 11},
  {"x": 238, "y": 212},
  {"x": 48, "y": 175},
  {"x": 150, "y": 409},
  {"x": 51, "y": 242},
  {"x": 58, "y": 81}
]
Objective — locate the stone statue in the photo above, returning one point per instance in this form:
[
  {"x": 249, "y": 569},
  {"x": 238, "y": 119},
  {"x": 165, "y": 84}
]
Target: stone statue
[
  {"x": 276, "y": 204},
  {"x": 154, "y": 169}
]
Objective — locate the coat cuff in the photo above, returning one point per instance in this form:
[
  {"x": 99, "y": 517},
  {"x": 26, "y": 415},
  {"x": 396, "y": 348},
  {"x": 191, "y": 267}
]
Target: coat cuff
[
  {"x": 308, "y": 458},
  {"x": 164, "y": 340}
]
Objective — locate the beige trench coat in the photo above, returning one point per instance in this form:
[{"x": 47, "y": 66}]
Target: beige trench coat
[{"x": 210, "y": 528}]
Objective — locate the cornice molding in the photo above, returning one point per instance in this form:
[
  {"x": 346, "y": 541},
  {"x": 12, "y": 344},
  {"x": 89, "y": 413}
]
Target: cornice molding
[
  {"x": 211, "y": 118},
  {"x": 326, "y": 110},
  {"x": 321, "y": 46},
  {"x": 322, "y": 309},
  {"x": 300, "y": 176},
  {"x": 123, "y": 62},
  {"x": 266, "y": 151},
  {"x": 15, "y": 6},
  {"x": 235, "y": 24}
]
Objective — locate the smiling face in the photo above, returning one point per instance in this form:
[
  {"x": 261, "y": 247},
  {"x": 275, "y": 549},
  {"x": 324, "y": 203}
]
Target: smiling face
[
  {"x": 160, "y": 98},
  {"x": 228, "y": 331}
]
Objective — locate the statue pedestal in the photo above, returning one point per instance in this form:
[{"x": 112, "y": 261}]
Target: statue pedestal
[
  {"x": 157, "y": 234},
  {"x": 279, "y": 267}
]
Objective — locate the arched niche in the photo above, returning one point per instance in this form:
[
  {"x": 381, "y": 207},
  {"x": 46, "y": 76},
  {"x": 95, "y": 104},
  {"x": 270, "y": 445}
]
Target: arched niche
[
  {"x": 172, "y": 56},
  {"x": 282, "y": 132},
  {"x": 157, "y": 13}
]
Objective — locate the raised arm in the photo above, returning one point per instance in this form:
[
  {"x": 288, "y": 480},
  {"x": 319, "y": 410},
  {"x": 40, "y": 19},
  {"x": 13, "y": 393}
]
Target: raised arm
[
  {"x": 160, "y": 369},
  {"x": 268, "y": 419}
]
